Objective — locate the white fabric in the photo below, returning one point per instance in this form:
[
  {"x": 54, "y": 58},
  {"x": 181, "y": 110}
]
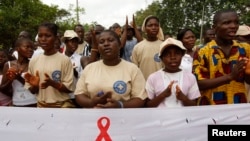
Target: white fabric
[
  {"x": 76, "y": 62},
  {"x": 38, "y": 51},
  {"x": 135, "y": 124},
  {"x": 159, "y": 81},
  {"x": 21, "y": 96},
  {"x": 187, "y": 63}
]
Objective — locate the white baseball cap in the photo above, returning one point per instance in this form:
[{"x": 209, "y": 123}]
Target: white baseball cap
[
  {"x": 69, "y": 34},
  {"x": 243, "y": 30},
  {"x": 171, "y": 42}
]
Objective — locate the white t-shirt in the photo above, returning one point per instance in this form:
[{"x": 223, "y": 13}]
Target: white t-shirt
[
  {"x": 187, "y": 63},
  {"x": 76, "y": 62},
  {"x": 21, "y": 96},
  {"x": 157, "y": 82}
]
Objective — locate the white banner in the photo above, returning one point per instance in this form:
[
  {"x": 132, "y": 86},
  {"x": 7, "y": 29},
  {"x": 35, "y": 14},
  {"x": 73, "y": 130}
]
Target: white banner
[{"x": 144, "y": 124}]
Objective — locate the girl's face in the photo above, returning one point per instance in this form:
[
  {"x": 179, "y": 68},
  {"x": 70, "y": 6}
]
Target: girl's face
[
  {"x": 3, "y": 58},
  {"x": 152, "y": 27},
  {"x": 171, "y": 58},
  {"x": 46, "y": 39},
  {"x": 188, "y": 40},
  {"x": 108, "y": 46},
  {"x": 26, "y": 49},
  {"x": 57, "y": 44}
]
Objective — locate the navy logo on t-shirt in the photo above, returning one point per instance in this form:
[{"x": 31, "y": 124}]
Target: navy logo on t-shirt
[
  {"x": 56, "y": 76},
  {"x": 120, "y": 87},
  {"x": 157, "y": 58}
]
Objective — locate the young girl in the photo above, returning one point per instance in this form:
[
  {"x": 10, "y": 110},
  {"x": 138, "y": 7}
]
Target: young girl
[
  {"x": 171, "y": 86},
  {"x": 14, "y": 72},
  {"x": 50, "y": 75},
  {"x": 4, "y": 99},
  {"x": 145, "y": 53}
]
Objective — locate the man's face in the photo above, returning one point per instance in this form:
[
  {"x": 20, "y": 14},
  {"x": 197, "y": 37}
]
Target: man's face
[
  {"x": 80, "y": 32},
  {"x": 227, "y": 26}
]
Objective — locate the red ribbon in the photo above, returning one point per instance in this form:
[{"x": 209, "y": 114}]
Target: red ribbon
[{"x": 103, "y": 129}]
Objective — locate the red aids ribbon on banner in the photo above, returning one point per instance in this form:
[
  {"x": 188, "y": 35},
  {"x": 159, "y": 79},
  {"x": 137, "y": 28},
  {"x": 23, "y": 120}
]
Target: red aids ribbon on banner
[{"x": 103, "y": 129}]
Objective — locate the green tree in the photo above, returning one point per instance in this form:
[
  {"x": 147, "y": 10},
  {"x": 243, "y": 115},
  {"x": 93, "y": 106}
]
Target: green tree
[
  {"x": 18, "y": 15},
  {"x": 177, "y": 14}
]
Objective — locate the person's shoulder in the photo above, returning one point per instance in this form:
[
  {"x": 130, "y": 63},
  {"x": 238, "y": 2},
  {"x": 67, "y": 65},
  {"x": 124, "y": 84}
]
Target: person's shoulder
[
  {"x": 76, "y": 55},
  {"x": 128, "y": 64},
  {"x": 210, "y": 45},
  {"x": 242, "y": 44},
  {"x": 35, "y": 57},
  {"x": 188, "y": 74},
  {"x": 155, "y": 77},
  {"x": 62, "y": 57},
  {"x": 94, "y": 64},
  {"x": 141, "y": 42},
  {"x": 155, "y": 74}
]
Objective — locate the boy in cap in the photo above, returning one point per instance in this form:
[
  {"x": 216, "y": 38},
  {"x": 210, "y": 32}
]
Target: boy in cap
[
  {"x": 172, "y": 86},
  {"x": 71, "y": 40},
  {"x": 243, "y": 34}
]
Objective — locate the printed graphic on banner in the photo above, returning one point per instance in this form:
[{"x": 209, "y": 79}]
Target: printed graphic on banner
[
  {"x": 235, "y": 132},
  {"x": 103, "y": 129}
]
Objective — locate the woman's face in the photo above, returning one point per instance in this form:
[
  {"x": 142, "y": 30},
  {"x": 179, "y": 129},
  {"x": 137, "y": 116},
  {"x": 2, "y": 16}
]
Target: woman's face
[
  {"x": 26, "y": 49},
  {"x": 46, "y": 38},
  {"x": 188, "y": 40},
  {"x": 109, "y": 47},
  {"x": 171, "y": 58},
  {"x": 152, "y": 27}
]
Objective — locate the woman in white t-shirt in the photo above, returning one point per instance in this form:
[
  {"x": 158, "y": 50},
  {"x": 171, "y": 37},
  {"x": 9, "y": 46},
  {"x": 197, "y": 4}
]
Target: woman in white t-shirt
[
  {"x": 172, "y": 86},
  {"x": 187, "y": 37},
  {"x": 13, "y": 76},
  {"x": 110, "y": 82}
]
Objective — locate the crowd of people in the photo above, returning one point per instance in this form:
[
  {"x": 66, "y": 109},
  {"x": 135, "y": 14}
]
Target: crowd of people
[{"x": 128, "y": 66}]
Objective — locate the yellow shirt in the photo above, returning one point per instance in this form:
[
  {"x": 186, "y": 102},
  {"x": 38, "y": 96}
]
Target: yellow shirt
[{"x": 211, "y": 62}]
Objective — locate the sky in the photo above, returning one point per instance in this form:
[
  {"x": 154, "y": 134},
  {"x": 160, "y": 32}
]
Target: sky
[{"x": 104, "y": 12}]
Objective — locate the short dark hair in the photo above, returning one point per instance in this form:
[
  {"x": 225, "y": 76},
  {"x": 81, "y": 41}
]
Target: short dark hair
[
  {"x": 182, "y": 32},
  {"x": 51, "y": 26},
  {"x": 79, "y": 26},
  {"x": 113, "y": 34},
  {"x": 21, "y": 40},
  {"x": 218, "y": 14}
]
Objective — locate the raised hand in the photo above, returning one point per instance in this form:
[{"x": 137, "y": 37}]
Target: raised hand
[
  {"x": 12, "y": 73},
  {"x": 33, "y": 80}
]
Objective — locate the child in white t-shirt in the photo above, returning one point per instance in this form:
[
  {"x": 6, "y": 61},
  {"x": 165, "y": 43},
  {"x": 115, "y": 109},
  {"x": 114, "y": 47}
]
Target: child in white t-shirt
[{"x": 172, "y": 86}]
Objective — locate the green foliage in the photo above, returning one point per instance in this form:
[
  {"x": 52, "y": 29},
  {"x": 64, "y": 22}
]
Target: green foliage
[
  {"x": 178, "y": 14},
  {"x": 152, "y": 9},
  {"x": 19, "y": 15}
]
